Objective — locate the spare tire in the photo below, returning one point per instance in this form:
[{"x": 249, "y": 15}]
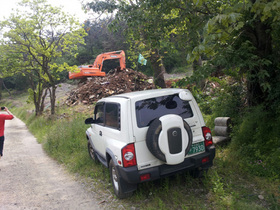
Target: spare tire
[{"x": 175, "y": 142}]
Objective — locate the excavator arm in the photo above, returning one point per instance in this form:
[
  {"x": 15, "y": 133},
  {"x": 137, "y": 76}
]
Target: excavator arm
[
  {"x": 96, "y": 68},
  {"x": 98, "y": 63}
]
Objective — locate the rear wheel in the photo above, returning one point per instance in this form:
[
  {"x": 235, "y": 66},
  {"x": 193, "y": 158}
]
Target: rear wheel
[{"x": 118, "y": 184}]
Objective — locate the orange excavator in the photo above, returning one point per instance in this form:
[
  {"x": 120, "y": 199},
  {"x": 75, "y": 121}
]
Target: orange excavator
[{"x": 96, "y": 69}]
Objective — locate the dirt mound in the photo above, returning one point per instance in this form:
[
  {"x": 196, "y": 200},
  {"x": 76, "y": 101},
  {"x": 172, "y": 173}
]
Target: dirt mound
[{"x": 115, "y": 82}]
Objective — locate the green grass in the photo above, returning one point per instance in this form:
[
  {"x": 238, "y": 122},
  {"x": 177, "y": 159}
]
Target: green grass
[{"x": 227, "y": 185}]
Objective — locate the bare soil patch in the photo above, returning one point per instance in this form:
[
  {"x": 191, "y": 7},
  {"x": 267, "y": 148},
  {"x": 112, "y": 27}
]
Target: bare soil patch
[{"x": 32, "y": 180}]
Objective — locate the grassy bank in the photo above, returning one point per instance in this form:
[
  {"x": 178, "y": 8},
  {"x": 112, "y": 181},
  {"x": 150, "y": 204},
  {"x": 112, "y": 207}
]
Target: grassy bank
[{"x": 227, "y": 185}]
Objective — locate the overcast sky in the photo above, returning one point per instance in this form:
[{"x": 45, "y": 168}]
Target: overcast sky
[{"x": 70, "y": 6}]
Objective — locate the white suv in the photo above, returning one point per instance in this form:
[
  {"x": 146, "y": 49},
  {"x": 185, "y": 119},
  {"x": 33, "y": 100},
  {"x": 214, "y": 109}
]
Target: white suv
[{"x": 143, "y": 136}]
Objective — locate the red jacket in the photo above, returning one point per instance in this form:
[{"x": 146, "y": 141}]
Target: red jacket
[{"x": 4, "y": 117}]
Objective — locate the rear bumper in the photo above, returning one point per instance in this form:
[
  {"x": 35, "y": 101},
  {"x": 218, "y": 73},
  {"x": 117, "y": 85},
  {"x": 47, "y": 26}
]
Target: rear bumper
[{"x": 132, "y": 174}]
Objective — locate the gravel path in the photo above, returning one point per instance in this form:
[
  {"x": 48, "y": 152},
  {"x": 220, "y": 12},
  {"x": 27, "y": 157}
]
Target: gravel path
[{"x": 29, "y": 179}]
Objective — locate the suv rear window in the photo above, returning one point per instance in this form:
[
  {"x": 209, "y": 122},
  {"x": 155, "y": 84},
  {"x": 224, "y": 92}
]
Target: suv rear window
[{"x": 149, "y": 109}]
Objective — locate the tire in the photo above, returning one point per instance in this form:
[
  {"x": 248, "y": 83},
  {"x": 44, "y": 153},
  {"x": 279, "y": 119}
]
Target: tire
[
  {"x": 118, "y": 184},
  {"x": 92, "y": 153},
  {"x": 152, "y": 139}
]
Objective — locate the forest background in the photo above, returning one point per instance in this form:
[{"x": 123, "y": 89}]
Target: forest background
[{"x": 230, "y": 46}]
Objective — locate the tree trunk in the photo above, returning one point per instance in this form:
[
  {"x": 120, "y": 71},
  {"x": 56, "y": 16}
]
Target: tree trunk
[
  {"x": 261, "y": 38},
  {"x": 36, "y": 104},
  {"x": 158, "y": 68},
  {"x": 37, "y": 94},
  {"x": 37, "y": 91},
  {"x": 1, "y": 84},
  {"x": 43, "y": 97},
  {"x": 196, "y": 64},
  {"x": 5, "y": 89},
  {"x": 52, "y": 98},
  {"x": 52, "y": 85}
]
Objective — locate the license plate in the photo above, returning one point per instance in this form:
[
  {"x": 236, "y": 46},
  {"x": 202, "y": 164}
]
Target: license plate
[{"x": 196, "y": 148}]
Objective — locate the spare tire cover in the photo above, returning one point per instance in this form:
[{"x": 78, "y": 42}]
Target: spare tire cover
[{"x": 169, "y": 138}]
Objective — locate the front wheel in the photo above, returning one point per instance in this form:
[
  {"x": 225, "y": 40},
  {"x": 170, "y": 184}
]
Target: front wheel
[
  {"x": 92, "y": 153},
  {"x": 119, "y": 185}
]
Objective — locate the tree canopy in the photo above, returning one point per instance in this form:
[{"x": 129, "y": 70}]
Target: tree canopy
[
  {"x": 234, "y": 37},
  {"x": 35, "y": 37},
  {"x": 241, "y": 40}
]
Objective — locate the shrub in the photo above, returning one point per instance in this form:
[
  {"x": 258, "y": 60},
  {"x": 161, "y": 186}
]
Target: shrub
[
  {"x": 224, "y": 100},
  {"x": 256, "y": 134},
  {"x": 256, "y": 142}
]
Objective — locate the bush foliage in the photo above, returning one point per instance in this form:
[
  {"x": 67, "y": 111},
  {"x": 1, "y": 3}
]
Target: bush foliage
[
  {"x": 256, "y": 134},
  {"x": 256, "y": 141}
]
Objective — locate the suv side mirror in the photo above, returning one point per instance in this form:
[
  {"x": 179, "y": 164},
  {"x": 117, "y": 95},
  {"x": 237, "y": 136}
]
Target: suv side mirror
[{"x": 89, "y": 121}]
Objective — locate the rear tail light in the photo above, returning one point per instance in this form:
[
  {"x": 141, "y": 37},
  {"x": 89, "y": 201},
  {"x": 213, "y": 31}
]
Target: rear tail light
[
  {"x": 205, "y": 160},
  {"x": 207, "y": 136},
  {"x": 144, "y": 177},
  {"x": 128, "y": 156}
]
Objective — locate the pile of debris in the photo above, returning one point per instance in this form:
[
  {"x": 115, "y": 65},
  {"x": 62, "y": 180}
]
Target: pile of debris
[{"x": 115, "y": 82}]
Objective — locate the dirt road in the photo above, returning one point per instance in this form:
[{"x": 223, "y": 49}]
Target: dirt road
[{"x": 29, "y": 179}]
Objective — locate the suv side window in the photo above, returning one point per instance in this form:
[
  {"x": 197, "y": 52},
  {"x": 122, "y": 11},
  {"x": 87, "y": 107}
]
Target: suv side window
[
  {"x": 99, "y": 113},
  {"x": 112, "y": 115}
]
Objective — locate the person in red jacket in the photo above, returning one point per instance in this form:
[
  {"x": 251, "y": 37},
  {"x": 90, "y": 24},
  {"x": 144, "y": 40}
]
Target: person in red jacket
[{"x": 4, "y": 117}]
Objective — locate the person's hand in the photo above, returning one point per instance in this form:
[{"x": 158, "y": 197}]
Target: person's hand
[{"x": 7, "y": 110}]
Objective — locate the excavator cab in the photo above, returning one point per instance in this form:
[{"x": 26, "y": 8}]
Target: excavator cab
[{"x": 95, "y": 70}]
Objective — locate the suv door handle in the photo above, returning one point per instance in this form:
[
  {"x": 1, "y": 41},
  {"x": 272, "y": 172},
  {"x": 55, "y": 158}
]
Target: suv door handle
[{"x": 100, "y": 133}]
